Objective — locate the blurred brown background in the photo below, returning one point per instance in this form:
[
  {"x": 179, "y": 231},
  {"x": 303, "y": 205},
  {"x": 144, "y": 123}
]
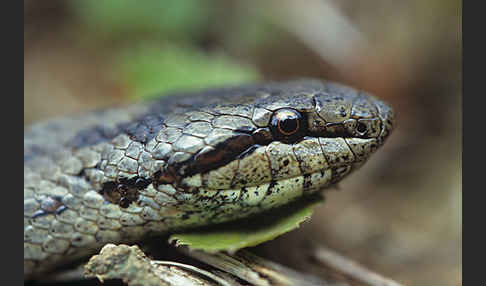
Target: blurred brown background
[{"x": 399, "y": 216}]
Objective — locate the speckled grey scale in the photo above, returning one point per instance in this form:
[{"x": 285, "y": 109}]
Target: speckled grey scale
[{"x": 187, "y": 160}]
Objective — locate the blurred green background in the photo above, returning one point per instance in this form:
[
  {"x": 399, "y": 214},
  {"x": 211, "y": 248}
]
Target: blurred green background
[{"x": 401, "y": 216}]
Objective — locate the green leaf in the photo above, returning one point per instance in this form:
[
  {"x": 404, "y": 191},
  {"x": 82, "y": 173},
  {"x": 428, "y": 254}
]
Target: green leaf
[
  {"x": 148, "y": 69},
  {"x": 249, "y": 232}
]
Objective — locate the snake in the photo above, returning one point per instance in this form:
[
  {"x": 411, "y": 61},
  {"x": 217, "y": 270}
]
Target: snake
[{"x": 188, "y": 159}]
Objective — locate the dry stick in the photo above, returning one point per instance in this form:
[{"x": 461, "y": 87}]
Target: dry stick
[
  {"x": 350, "y": 269},
  {"x": 134, "y": 268},
  {"x": 208, "y": 274},
  {"x": 255, "y": 270},
  {"x": 131, "y": 265}
]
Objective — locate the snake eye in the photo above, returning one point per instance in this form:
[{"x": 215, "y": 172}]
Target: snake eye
[
  {"x": 286, "y": 125},
  {"x": 361, "y": 128}
]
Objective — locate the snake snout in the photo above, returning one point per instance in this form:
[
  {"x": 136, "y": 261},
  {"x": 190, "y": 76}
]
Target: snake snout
[{"x": 387, "y": 118}]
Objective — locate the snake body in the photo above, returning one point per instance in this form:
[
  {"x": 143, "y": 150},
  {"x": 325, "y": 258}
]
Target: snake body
[{"x": 118, "y": 174}]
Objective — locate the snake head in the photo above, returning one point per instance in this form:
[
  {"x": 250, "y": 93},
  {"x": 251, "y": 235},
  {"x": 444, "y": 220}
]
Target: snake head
[{"x": 267, "y": 145}]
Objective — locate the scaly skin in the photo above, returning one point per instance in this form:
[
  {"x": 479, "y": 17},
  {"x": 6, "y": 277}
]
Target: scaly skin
[{"x": 116, "y": 175}]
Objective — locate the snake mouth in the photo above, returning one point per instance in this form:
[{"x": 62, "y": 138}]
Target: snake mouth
[
  {"x": 243, "y": 201},
  {"x": 280, "y": 161},
  {"x": 308, "y": 165}
]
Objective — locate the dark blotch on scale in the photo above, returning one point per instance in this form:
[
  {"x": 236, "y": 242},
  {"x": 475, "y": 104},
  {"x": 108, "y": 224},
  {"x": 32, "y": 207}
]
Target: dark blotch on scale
[
  {"x": 187, "y": 215},
  {"x": 168, "y": 176},
  {"x": 125, "y": 190},
  {"x": 271, "y": 186},
  {"x": 338, "y": 173},
  {"x": 50, "y": 205},
  {"x": 141, "y": 130},
  {"x": 307, "y": 182},
  {"x": 144, "y": 129},
  {"x": 136, "y": 182},
  {"x": 92, "y": 136}
]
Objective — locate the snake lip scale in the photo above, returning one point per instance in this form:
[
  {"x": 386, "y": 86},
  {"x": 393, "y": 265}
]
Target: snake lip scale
[{"x": 186, "y": 160}]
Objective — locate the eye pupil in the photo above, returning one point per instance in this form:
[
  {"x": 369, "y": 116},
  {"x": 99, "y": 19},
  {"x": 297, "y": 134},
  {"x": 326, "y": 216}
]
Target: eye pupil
[
  {"x": 361, "y": 128},
  {"x": 288, "y": 125}
]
